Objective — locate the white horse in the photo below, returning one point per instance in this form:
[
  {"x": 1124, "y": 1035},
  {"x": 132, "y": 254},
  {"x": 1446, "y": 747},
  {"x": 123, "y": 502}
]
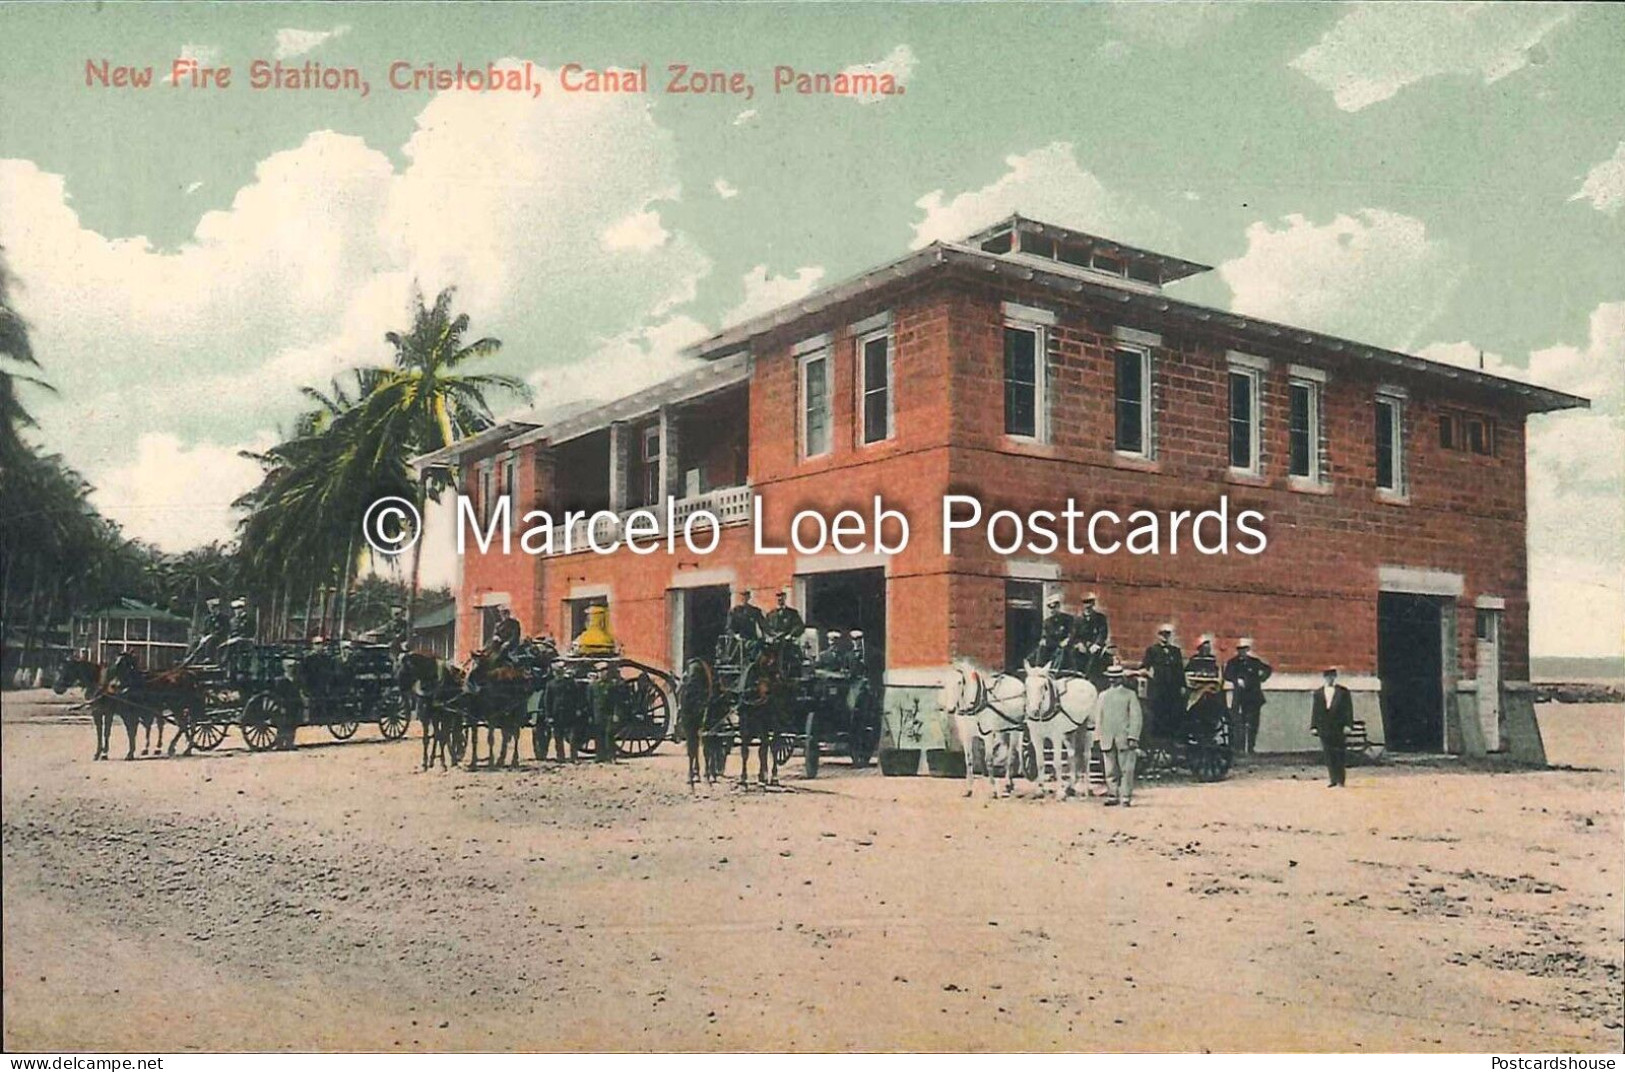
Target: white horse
[
  {"x": 989, "y": 711},
  {"x": 1061, "y": 713}
]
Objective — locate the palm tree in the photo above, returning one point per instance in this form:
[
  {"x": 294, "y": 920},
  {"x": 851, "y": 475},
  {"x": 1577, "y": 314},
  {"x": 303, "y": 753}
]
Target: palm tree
[
  {"x": 15, "y": 349},
  {"x": 427, "y": 401}
]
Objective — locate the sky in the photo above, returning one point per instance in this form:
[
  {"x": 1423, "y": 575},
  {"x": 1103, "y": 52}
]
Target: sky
[{"x": 1446, "y": 179}]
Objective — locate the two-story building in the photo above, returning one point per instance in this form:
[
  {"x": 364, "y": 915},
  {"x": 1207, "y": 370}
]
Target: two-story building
[{"x": 1021, "y": 366}]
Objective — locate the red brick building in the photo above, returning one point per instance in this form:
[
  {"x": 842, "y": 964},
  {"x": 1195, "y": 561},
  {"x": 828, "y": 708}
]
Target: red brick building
[{"x": 1024, "y": 365}]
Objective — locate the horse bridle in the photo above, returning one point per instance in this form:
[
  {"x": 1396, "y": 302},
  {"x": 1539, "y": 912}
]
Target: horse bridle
[{"x": 984, "y": 701}]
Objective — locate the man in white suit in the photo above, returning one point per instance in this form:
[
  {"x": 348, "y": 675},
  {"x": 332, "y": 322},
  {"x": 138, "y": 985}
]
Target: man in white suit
[{"x": 1117, "y": 729}]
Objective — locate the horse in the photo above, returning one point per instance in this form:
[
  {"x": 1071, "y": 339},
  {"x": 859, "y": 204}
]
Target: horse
[
  {"x": 174, "y": 695},
  {"x": 1060, "y": 712},
  {"x": 77, "y": 673},
  {"x": 702, "y": 714},
  {"x": 433, "y": 686},
  {"x": 763, "y": 695},
  {"x": 989, "y": 713},
  {"x": 498, "y": 698}
]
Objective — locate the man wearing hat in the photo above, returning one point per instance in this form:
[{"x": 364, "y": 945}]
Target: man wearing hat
[
  {"x": 747, "y": 623},
  {"x": 1204, "y": 691},
  {"x": 1118, "y": 722},
  {"x": 837, "y": 656},
  {"x": 1091, "y": 634},
  {"x": 1331, "y": 713},
  {"x": 783, "y": 626},
  {"x": 216, "y": 624},
  {"x": 242, "y": 623},
  {"x": 1164, "y": 668},
  {"x": 1056, "y": 637},
  {"x": 1246, "y": 673},
  {"x": 601, "y": 690}
]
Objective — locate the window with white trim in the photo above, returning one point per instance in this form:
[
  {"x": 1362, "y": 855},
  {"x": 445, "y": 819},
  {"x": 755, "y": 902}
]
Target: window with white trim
[
  {"x": 1024, "y": 375},
  {"x": 1390, "y": 443},
  {"x": 1303, "y": 430},
  {"x": 875, "y": 387},
  {"x": 1132, "y": 401},
  {"x": 816, "y": 376},
  {"x": 1244, "y": 423}
]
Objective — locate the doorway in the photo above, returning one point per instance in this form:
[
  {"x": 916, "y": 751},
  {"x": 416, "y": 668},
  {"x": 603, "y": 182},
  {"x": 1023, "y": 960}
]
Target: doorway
[
  {"x": 848, "y": 600},
  {"x": 1023, "y": 621},
  {"x": 1410, "y": 667},
  {"x": 704, "y": 614}
]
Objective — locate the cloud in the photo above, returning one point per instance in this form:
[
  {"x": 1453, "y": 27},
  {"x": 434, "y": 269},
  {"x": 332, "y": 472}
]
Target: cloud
[
  {"x": 725, "y": 189},
  {"x": 1375, "y": 276},
  {"x": 546, "y": 215},
  {"x": 764, "y": 293},
  {"x": 1604, "y": 185},
  {"x": 1376, "y": 50},
  {"x": 899, "y": 63},
  {"x": 745, "y": 116},
  {"x": 1576, "y": 481},
  {"x": 1048, "y": 184},
  {"x": 176, "y": 495},
  {"x": 1174, "y": 25},
  {"x": 194, "y": 187},
  {"x": 291, "y": 43}
]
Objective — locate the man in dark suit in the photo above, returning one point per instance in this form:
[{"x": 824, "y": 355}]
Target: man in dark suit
[
  {"x": 1164, "y": 670},
  {"x": 1331, "y": 714},
  {"x": 1246, "y": 673}
]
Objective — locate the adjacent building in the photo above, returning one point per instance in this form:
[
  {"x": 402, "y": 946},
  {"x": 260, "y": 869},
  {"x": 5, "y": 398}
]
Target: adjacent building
[{"x": 1023, "y": 365}]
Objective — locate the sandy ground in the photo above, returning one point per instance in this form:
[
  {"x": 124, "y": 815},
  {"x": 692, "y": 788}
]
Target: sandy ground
[{"x": 336, "y": 898}]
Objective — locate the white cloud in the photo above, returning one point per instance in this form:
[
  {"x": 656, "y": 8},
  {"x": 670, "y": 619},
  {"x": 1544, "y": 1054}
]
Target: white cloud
[
  {"x": 725, "y": 189},
  {"x": 764, "y": 293},
  {"x": 194, "y": 187},
  {"x": 1378, "y": 49},
  {"x": 899, "y": 63},
  {"x": 299, "y": 277},
  {"x": 291, "y": 42},
  {"x": 205, "y": 55},
  {"x": 1048, "y": 184},
  {"x": 745, "y": 116},
  {"x": 639, "y": 231},
  {"x": 1604, "y": 185},
  {"x": 1576, "y": 462},
  {"x": 175, "y": 495},
  {"x": 1174, "y": 25},
  {"x": 1375, "y": 276}
]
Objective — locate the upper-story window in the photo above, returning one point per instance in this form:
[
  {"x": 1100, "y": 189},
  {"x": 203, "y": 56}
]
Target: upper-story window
[
  {"x": 875, "y": 386},
  {"x": 1467, "y": 432},
  {"x": 816, "y": 375},
  {"x": 1480, "y": 435},
  {"x": 1390, "y": 441},
  {"x": 651, "y": 465},
  {"x": 487, "y": 500},
  {"x": 1132, "y": 404},
  {"x": 1024, "y": 380},
  {"x": 1244, "y": 383},
  {"x": 1303, "y": 424},
  {"x": 510, "y": 481}
]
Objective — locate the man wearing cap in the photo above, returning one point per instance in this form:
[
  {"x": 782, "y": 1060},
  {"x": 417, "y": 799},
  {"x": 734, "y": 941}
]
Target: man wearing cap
[
  {"x": 1055, "y": 638},
  {"x": 783, "y": 626},
  {"x": 1164, "y": 668},
  {"x": 837, "y": 656},
  {"x": 242, "y": 624},
  {"x": 1091, "y": 634},
  {"x": 1204, "y": 691},
  {"x": 216, "y": 623},
  {"x": 1246, "y": 673},
  {"x": 601, "y": 691},
  {"x": 1118, "y": 722},
  {"x": 747, "y": 623},
  {"x": 1331, "y": 713}
]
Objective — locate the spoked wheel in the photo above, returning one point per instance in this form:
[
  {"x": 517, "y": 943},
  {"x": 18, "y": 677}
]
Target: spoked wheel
[
  {"x": 204, "y": 736},
  {"x": 651, "y": 721},
  {"x": 261, "y": 716},
  {"x": 343, "y": 731},
  {"x": 809, "y": 750},
  {"x": 784, "y": 746},
  {"x": 394, "y": 719},
  {"x": 1210, "y": 762}
]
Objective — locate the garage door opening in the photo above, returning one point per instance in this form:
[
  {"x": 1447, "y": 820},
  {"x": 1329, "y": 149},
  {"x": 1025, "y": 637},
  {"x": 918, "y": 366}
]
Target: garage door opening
[
  {"x": 1410, "y": 666},
  {"x": 848, "y": 600},
  {"x": 703, "y": 613}
]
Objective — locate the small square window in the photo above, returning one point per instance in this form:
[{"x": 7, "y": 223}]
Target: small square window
[
  {"x": 1480, "y": 436},
  {"x": 1449, "y": 438}
]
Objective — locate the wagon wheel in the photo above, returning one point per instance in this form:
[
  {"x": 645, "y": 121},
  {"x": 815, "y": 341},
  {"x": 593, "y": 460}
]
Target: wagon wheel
[
  {"x": 343, "y": 731},
  {"x": 651, "y": 720},
  {"x": 809, "y": 750},
  {"x": 1210, "y": 762},
  {"x": 784, "y": 746},
  {"x": 261, "y": 715},
  {"x": 204, "y": 736},
  {"x": 394, "y": 719}
]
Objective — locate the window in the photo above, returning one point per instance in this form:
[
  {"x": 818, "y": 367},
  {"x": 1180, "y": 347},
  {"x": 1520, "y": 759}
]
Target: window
[
  {"x": 1449, "y": 438},
  {"x": 1480, "y": 436},
  {"x": 652, "y": 490},
  {"x": 1133, "y": 407},
  {"x": 576, "y": 609},
  {"x": 1244, "y": 420},
  {"x": 815, "y": 397},
  {"x": 487, "y": 500},
  {"x": 1023, "y": 381},
  {"x": 510, "y": 482},
  {"x": 874, "y": 381},
  {"x": 1303, "y": 430},
  {"x": 1390, "y": 445},
  {"x": 1485, "y": 623}
]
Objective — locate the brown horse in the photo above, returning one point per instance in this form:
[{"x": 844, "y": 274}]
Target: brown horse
[
  {"x": 84, "y": 674},
  {"x": 174, "y": 695},
  {"x": 498, "y": 699},
  {"x": 763, "y": 697},
  {"x": 432, "y": 686},
  {"x": 702, "y": 713}
]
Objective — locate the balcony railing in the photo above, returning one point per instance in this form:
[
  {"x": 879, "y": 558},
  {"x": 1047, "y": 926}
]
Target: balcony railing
[{"x": 730, "y": 506}]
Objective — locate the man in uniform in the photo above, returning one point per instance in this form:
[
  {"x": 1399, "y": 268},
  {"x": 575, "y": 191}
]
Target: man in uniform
[
  {"x": 783, "y": 626},
  {"x": 1204, "y": 690},
  {"x": 1164, "y": 668},
  {"x": 1055, "y": 637},
  {"x": 601, "y": 690},
  {"x": 838, "y": 654},
  {"x": 747, "y": 623},
  {"x": 216, "y": 624},
  {"x": 1118, "y": 722},
  {"x": 242, "y": 622},
  {"x": 398, "y": 632},
  {"x": 1091, "y": 635},
  {"x": 1331, "y": 713},
  {"x": 505, "y": 637},
  {"x": 1246, "y": 674}
]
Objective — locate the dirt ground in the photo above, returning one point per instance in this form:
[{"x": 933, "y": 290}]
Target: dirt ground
[{"x": 337, "y": 898}]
